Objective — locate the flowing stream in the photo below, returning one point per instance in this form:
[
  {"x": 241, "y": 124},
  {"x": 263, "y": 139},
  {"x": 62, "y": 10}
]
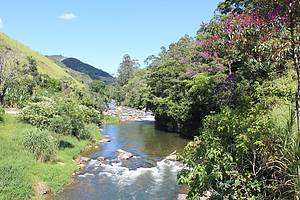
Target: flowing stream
[{"x": 146, "y": 176}]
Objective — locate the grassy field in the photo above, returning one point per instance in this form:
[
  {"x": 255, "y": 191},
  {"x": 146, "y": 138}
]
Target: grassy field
[
  {"x": 45, "y": 65},
  {"x": 19, "y": 172}
]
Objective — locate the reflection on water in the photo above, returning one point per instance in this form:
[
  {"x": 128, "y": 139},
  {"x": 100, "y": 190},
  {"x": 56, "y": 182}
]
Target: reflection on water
[{"x": 146, "y": 176}]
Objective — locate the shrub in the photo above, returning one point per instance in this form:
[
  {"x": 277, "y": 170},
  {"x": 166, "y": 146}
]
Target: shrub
[
  {"x": 41, "y": 144},
  {"x": 61, "y": 124},
  {"x": 231, "y": 155},
  {"x": 2, "y": 112},
  {"x": 89, "y": 133},
  {"x": 38, "y": 114},
  {"x": 91, "y": 115},
  {"x": 62, "y": 115}
]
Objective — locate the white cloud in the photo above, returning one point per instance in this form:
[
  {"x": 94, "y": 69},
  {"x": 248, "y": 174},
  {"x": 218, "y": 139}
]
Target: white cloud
[
  {"x": 1, "y": 23},
  {"x": 68, "y": 16}
]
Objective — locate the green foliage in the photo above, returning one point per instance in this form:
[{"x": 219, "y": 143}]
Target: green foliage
[
  {"x": 91, "y": 115},
  {"x": 90, "y": 132},
  {"x": 41, "y": 143},
  {"x": 97, "y": 86},
  {"x": 111, "y": 120},
  {"x": 126, "y": 70},
  {"x": 63, "y": 116},
  {"x": 233, "y": 155},
  {"x": 137, "y": 91}
]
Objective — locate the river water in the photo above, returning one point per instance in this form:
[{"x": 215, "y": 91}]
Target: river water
[{"x": 147, "y": 176}]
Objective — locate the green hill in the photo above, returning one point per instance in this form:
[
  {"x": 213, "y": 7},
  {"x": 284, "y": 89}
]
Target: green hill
[
  {"x": 79, "y": 76},
  {"x": 45, "y": 65}
]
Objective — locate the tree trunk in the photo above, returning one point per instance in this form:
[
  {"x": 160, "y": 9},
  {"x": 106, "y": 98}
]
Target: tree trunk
[
  {"x": 298, "y": 99},
  {"x": 2, "y": 99}
]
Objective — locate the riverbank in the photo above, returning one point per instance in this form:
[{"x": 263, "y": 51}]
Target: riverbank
[{"x": 21, "y": 176}]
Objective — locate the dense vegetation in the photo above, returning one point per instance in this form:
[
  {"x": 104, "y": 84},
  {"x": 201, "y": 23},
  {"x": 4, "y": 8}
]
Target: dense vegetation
[
  {"x": 234, "y": 88},
  {"x": 58, "y": 117}
]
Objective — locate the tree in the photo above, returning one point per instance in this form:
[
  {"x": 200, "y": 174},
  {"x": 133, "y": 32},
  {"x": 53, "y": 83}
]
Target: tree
[
  {"x": 18, "y": 78},
  {"x": 8, "y": 75},
  {"x": 97, "y": 86},
  {"x": 126, "y": 69}
]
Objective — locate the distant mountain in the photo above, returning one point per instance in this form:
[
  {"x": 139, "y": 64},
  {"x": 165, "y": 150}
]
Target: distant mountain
[
  {"x": 81, "y": 77},
  {"x": 93, "y": 72}
]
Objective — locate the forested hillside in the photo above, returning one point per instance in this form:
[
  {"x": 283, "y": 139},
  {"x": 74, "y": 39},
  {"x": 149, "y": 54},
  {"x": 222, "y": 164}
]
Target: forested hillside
[
  {"x": 234, "y": 88},
  {"x": 92, "y": 72}
]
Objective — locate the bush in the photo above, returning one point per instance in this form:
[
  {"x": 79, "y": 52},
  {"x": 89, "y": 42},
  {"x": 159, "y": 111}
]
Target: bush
[
  {"x": 2, "y": 112},
  {"x": 90, "y": 132},
  {"x": 232, "y": 155},
  {"x": 41, "y": 144},
  {"x": 91, "y": 115},
  {"x": 38, "y": 114}
]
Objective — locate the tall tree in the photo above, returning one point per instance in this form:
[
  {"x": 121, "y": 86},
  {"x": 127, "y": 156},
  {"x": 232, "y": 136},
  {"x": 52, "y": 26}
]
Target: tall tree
[{"x": 127, "y": 68}]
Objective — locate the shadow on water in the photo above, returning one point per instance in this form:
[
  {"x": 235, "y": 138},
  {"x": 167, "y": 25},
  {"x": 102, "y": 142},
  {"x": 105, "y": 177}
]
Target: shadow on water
[{"x": 145, "y": 177}]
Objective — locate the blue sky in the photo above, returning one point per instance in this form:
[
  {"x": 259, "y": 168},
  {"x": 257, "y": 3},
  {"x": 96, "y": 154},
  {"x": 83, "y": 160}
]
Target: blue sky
[{"x": 100, "y": 32}]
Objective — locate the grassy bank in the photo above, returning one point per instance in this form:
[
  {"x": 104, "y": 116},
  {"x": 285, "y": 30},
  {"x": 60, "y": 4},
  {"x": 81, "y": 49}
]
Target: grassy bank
[
  {"x": 111, "y": 120},
  {"x": 20, "y": 172}
]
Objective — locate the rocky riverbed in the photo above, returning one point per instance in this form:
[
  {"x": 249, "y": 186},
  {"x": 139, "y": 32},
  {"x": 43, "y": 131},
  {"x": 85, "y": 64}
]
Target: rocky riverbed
[{"x": 130, "y": 114}]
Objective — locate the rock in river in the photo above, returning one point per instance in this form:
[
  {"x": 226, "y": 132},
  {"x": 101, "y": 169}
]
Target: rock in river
[
  {"x": 101, "y": 158},
  {"x": 124, "y": 155},
  {"x": 172, "y": 156},
  {"x": 105, "y": 140}
]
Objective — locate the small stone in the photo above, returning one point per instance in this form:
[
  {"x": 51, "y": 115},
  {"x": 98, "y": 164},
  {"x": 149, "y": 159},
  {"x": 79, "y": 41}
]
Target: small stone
[
  {"x": 84, "y": 160},
  {"x": 105, "y": 140},
  {"x": 101, "y": 158},
  {"x": 81, "y": 166}
]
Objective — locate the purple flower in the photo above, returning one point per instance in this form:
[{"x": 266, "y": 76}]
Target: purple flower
[
  {"x": 204, "y": 55},
  {"x": 198, "y": 43},
  {"x": 220, "y": 66},
  {"x": 207, "y": 69}
]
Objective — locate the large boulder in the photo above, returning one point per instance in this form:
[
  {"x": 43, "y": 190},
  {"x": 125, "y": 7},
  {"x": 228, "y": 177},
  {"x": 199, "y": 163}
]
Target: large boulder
[{"x": 124, "y": 155}]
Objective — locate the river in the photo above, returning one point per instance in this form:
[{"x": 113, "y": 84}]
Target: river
[{"x": 146, "y": 176}]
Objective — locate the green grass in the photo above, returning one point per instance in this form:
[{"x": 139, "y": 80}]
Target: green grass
[
  {"x": 111, "y": 120},
  {"x": 19, "y": 170},
  {"x": 45, "y": 65}
]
